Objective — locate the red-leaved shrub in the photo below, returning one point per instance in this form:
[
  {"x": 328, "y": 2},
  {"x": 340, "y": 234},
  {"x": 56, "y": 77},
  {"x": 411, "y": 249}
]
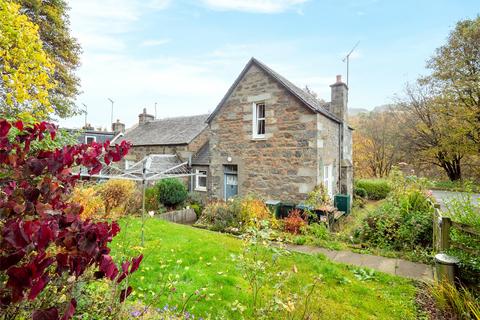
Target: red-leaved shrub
[
  {"x": 43, "y": 240},
  {"x": 294, "y": 222}
]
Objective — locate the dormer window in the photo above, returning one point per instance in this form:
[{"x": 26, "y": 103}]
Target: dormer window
[{"x": 258, "y": 128}]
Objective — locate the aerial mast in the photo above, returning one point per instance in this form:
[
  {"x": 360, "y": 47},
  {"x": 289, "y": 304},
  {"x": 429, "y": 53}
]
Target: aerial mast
[{"x": 347, "y": 59}]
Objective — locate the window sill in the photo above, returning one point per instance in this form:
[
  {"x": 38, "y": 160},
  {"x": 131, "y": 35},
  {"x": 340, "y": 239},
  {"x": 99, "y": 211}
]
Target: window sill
[
  {"x": 201, "y": 189},
  {"x": 259, "y": 138}
]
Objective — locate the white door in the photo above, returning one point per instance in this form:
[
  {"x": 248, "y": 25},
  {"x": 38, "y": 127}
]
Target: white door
[{"x": 328, "y": 179}]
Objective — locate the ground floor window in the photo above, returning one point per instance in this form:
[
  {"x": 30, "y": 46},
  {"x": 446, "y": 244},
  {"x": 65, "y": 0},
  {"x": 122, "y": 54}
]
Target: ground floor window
[
  {"x": 90, "y": 139},
  {"x": 201, "y": 180},
  {"x": 328, "y": 179}
]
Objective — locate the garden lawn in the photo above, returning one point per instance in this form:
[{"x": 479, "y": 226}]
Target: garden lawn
[{"x": 202, "y": 259}]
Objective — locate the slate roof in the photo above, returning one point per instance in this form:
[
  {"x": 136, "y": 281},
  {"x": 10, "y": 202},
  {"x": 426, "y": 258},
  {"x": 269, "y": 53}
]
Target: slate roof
[
  {"x": 306, "y": 98},
  {"x": 100, "y": 136},
  {"x": 168, "y": 131},
  {"x": 202, "y": 157}
]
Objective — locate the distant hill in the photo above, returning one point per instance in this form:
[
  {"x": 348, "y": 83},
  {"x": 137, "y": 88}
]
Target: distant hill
[
  {"x": 383, "y": 107},
  {"x": 357, "y": 111}
]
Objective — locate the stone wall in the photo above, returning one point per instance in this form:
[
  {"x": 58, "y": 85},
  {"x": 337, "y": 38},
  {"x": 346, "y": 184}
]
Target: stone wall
[
  {"x": 184, "y": 216},
  {"x": 198, "y": 142},
  {"x": 328, "y": 149},
  {"x": 285, "y": 164}
]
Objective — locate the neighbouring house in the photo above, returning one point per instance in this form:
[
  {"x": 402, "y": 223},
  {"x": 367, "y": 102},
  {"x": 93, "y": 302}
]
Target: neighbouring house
[
  {"x": 267, "y": 137},
  {"x": 181, "y": 136},
  {"x": 270, "y": 138},
  {"x": 88, "y": 133}
]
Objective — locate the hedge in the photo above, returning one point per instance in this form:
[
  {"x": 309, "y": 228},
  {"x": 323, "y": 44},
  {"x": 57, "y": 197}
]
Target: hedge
[{"x": 377, "y": 189}]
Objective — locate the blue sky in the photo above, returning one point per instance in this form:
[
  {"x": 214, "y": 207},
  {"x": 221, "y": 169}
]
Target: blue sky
[{"x": 184, "y": 54}]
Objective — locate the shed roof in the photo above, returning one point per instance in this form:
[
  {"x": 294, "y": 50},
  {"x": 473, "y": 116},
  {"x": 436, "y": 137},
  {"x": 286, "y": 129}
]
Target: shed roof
[
  {"x": 168, "y": 131},
  {"x": 307, "y": 99},
  {"x": 202, "y": 157}
]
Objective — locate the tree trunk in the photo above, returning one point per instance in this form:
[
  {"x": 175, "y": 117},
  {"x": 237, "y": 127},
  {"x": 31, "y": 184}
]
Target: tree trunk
[{"x": 451, "y": 166}]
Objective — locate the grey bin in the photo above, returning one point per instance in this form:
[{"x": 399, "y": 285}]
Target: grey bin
[{"x": 445, "y": 267}]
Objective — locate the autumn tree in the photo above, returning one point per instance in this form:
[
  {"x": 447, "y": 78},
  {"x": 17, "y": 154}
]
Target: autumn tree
[
  {"x": 64, "y": 51},
  {"x": 375, "y": 143},
  {"x": 25, "y": 69},
  {"x": 433, "y": 137},
  {"x": 455, "y": 78},
  {"x": 47, "y": 251}
]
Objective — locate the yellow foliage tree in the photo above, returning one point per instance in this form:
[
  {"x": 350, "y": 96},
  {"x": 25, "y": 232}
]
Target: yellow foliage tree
[
  {"x": 253, "y": 210},
  {"x": 26, "y": 72},
  {"x": 376, "y": 143},
  {"x": 92, "y": 203},
  {"x": 116, "y": 194}
]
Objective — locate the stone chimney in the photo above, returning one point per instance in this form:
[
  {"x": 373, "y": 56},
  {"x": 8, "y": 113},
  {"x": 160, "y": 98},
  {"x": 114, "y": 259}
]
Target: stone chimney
[
  {"x": 145, "y": 117},
  {"x": 88, "y": 127},
  {"x": 118, "y": 127},
  {"x": 339, "y": 100}
]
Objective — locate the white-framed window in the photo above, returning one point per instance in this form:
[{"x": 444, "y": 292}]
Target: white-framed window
[
  {"x": 258, "y": 125},
  {"x": 328, "y": 179},
  {"x": 90, "y": 139},
  {"x": 201, "y": 180}
]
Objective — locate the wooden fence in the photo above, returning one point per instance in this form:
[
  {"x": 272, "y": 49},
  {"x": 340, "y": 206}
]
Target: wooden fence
[{"x": 441, "y": 232}]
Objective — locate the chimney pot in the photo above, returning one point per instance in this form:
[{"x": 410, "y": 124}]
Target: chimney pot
[
  {"x": 339, "y": 78},
  {"x": 145, "y": 117},
  {"x": 118, "y": 127}
]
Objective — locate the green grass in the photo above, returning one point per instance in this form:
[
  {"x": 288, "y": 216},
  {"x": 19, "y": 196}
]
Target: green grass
[
  {"x": 202, "y": 259},
  {"x": 459, "y": 186}
]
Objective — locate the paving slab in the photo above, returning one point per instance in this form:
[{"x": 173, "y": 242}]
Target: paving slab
[
  {"x": 381, "y": 264},
  {"x": 348, "y": 258},
  {"x": 398, "y": 267},
  {"x": 414, "y": 270}
]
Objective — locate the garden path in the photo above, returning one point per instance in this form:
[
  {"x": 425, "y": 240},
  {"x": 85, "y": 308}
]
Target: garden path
[{"x": 398, "y": 267}]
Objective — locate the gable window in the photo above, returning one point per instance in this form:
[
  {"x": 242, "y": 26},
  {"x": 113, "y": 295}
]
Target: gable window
[
  {"x": 90, "y": 139},
  {"x": 201, "y": 180},
  {"x": 258, "y": 129}
]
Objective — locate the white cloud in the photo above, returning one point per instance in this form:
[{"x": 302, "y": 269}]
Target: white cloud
[
  {"x": 179, "y": 86},
  {"x": 260, "y": 6},
  {"x": 154, "y": 42},
  {"x": 93, "y": 42}
]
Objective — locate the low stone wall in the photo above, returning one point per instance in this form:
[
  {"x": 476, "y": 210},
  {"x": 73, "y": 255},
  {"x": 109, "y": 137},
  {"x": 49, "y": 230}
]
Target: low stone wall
[{"x": 185, "y": 216}]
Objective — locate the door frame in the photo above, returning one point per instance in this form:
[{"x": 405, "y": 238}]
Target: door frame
[{"x": 226, "y": 173}]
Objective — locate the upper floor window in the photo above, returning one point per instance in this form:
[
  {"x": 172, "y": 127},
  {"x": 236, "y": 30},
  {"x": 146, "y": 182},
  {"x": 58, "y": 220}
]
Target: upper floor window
[
  {"x": 258, "y": 130},
  {"x": 90, "y": 139}
]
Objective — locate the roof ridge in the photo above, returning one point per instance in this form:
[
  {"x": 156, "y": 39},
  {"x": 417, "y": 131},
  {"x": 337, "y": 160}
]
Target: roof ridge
[
  {"x": 307, "y": 99},
  {"x": 181, "y": 117}
]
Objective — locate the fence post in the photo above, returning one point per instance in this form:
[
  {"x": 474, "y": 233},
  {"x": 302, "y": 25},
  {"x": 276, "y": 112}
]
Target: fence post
[
  {"x": 445, "y": 225},
  {"x": 436, "y": 227}
]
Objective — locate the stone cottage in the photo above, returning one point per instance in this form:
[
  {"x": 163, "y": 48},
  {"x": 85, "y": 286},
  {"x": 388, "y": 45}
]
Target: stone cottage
[
  {"x": 266, "y": 137},
  {"x": 270, "y": 138}
]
